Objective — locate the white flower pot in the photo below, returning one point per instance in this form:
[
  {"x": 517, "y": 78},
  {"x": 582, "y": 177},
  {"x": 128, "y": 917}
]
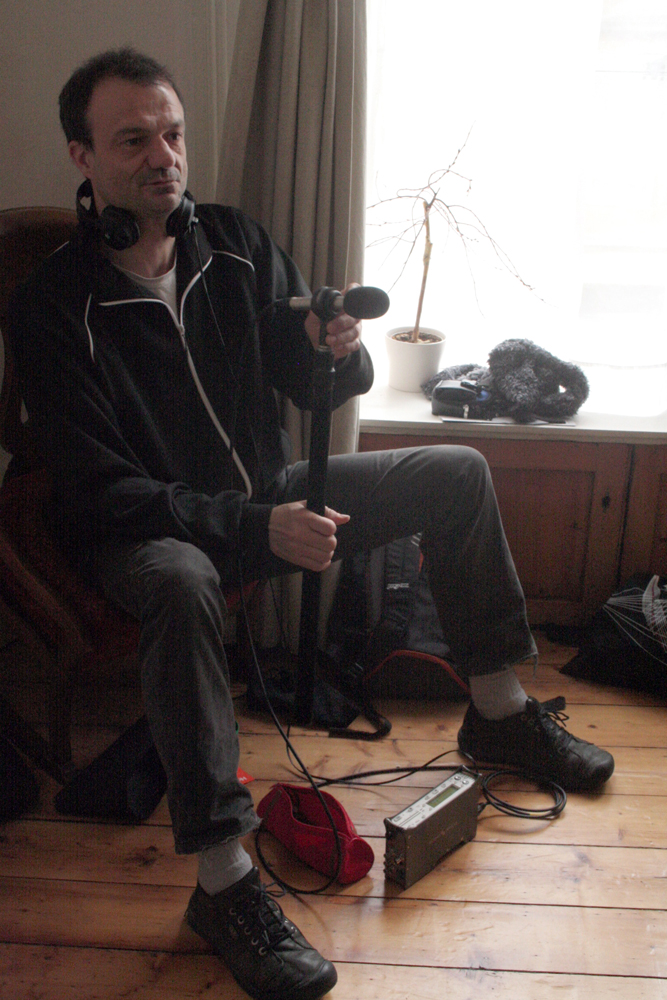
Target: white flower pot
[{"x": 410, "y": 365}]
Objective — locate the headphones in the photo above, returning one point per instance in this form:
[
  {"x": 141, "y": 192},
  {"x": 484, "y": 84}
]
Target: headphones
[{"x": 118, "y": 228}]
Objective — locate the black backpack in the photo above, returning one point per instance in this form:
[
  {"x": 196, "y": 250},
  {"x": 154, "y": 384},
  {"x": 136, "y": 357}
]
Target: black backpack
[
  {"x": 625, "y": 644},
  {"x": 384, "y": 633}
]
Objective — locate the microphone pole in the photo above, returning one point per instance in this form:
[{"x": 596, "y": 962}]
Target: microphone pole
[
  {"x": 324, "y": 373},
  {"x": 327, "y": 303}
]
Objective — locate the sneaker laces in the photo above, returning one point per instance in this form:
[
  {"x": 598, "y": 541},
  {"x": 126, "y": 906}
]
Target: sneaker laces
[
  {"x": 266, "y": 914},
  {"x": 550, "y": 717}
]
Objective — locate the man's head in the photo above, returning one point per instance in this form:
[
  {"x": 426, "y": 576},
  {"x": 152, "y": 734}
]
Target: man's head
[
  {"x": 124, "y": 122},
  {"x": 123, "y": 64}
]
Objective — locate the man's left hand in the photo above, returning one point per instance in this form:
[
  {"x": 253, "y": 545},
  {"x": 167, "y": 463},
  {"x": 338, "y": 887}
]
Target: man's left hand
[{"x": 343, "y": 332}]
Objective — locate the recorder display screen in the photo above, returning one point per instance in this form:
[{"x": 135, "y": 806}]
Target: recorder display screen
[{"x": 444, "y": 794}]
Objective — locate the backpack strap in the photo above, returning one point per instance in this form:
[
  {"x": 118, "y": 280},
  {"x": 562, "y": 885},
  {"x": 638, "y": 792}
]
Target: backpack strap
[{"x": 398, "y": 583}]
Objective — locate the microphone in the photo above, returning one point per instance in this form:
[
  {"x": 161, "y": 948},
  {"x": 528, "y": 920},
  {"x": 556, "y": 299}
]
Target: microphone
[{"x": 362, "y": 302}]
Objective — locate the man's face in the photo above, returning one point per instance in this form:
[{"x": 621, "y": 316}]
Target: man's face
[{"x": 138, "y": 158}]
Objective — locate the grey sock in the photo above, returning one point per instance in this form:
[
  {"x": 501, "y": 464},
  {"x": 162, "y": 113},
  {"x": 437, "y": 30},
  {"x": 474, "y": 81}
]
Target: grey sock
[
  {"x": 495, "y": 696},
  {"x": 222, "y": 865}
]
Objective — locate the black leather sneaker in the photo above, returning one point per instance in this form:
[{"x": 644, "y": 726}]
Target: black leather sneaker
[
  {"x": 267, "y": 955},
  {"x": 537, "y": 742}
]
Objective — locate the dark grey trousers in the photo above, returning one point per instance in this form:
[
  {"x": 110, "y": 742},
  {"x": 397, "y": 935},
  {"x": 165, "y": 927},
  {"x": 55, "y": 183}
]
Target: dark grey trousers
[{"x": 174, "y": 589}]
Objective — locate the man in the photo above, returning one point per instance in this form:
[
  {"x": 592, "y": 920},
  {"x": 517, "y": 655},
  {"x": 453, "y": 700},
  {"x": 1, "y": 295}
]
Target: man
[{"x": 150, "y": 347}]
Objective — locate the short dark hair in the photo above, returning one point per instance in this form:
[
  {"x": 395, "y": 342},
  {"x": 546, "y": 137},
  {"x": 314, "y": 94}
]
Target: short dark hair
[{"x": 125, "y": 64}]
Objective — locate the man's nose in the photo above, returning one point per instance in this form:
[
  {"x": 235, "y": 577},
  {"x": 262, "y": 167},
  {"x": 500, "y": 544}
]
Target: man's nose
[{"x": 160, "y": 154}]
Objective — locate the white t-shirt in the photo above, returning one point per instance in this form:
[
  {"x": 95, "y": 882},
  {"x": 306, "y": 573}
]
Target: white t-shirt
[{"x": 164, "y": 286}]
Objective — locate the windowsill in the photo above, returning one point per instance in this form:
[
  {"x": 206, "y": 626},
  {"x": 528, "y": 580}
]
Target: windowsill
[{"x": 388, "y": 411}]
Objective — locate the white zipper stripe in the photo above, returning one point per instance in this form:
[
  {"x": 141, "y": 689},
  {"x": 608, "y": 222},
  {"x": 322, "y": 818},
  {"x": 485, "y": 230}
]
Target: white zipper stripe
[
  {"x": 127, "y": 302},
  {"x": 216, "y": 423},
  {"x": 244, "y": 260},
  {"x": 151, "y": 298},
  {"x": 90, "y": 335},
  {"x": 191, "y": 365}
]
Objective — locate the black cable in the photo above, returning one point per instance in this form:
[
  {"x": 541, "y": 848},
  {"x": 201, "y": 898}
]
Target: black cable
[
  {"x": 211, "y": 309},
  {"x": 290, "y": 748},
  {"x": 551, "y": 812},
  {"x": 256, "y": 666},
  {"x": 397, "y": 773},
  {"x": 559, "y": 795},
  {"x": 304, "y": 770}
]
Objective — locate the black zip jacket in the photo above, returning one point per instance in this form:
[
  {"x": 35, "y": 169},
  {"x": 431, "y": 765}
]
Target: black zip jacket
[{"x": 108, "y": 376}]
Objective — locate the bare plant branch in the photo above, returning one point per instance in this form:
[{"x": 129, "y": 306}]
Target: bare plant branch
[{"x": 459, "y": 219}]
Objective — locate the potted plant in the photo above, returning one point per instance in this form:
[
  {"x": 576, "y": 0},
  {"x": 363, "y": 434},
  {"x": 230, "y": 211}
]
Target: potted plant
[{"x": 415, "y": 351}]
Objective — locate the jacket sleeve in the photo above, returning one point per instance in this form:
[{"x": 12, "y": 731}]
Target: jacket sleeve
[{"x": 287, "y": 353}]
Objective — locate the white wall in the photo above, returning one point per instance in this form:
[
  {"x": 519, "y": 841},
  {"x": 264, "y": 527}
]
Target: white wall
[{"x": 43, "y": 41}]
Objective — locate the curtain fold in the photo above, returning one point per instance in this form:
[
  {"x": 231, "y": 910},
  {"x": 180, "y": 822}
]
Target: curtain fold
[
  {"x": 294, "y": 130},
  {"x": 293, "y": 152}
]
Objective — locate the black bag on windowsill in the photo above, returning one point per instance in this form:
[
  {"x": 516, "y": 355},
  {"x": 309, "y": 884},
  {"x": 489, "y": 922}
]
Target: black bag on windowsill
[
  {"x": 522, "y": 381},
  {"x": 625, "y": 644}
]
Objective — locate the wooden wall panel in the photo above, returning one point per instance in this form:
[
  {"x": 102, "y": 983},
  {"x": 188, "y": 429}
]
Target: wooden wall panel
[
  {"x": 645, "y": 539},
  {"x": 546, "y": 514}
]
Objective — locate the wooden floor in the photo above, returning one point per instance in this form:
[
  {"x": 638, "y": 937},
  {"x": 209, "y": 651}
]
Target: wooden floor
[{"x": 574, "y": 908}]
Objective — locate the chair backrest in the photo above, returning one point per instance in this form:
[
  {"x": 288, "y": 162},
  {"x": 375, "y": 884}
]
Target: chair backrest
[{"x": 27, "y": 237}]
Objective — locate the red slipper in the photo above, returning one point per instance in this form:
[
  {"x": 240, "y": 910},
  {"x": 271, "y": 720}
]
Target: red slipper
[{"x": 296, "y": 817}]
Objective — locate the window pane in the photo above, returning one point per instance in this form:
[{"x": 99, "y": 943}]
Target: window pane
[{"x": 560, "y": 115}]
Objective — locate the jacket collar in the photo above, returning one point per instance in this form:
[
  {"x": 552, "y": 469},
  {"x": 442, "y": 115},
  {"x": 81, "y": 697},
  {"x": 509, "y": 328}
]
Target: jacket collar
[{"x": 110, "y": 284}]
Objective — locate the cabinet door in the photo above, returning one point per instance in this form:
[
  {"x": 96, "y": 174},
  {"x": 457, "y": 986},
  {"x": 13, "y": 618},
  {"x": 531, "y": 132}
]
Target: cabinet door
[
  {"x": 562, "y": 506},
  {"x": 645, "y": 540}
]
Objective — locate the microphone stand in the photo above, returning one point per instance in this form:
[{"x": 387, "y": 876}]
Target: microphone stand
[{"x": 325, "y": 305}]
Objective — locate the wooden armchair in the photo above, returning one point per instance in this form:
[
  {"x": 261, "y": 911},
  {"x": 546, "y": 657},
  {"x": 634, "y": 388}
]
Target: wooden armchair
[{"x": 64, "y": 623}]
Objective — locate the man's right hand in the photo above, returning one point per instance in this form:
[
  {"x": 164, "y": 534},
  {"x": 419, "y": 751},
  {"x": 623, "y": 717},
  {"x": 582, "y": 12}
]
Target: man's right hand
[{"x": 302, "y": 537}]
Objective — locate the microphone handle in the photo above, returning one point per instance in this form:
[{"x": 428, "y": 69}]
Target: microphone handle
[
  {"x": 362, "y": 302},
  {"x": 304, "y": 303}
]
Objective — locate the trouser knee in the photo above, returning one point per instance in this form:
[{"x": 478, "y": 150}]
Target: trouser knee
[
  {"x": 456, "y": 479},
  {"x": 467, "y": 462},
  {"x": 186, "y": 581}
]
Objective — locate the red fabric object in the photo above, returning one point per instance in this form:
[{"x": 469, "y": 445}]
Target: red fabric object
[{"x": 296, "y": 817}]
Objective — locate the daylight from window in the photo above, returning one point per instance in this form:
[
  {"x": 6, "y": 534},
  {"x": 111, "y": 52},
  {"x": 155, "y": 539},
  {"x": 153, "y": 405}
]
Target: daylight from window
[{"x": 553, "y": 121}]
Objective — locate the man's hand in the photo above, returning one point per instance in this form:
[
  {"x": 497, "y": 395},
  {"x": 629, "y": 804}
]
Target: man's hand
[
  {"x": 343, "y": 332},
  {"x": 302, "y": 537}
]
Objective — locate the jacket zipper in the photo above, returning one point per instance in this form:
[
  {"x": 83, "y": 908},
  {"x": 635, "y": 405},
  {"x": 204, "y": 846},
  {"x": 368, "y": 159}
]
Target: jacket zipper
[{"x": 178, "y": 323}]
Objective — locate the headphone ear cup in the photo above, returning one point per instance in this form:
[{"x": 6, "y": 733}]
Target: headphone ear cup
[
  {"x": 183, "y": 216},
  {"x": 115, "y": 226},
  {"x": 118, "y": 228}
]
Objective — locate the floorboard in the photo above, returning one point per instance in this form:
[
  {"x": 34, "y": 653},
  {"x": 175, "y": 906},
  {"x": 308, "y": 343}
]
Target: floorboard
[
  {"x": 529, "y": 910},
  {"x": 51, "y": 973}
]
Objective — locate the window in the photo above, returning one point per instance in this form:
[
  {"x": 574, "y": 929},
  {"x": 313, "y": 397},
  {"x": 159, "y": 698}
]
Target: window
[{"x": 560, "y": 115}]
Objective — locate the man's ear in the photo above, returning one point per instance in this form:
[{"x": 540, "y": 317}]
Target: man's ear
[{"x": 81, "y": 157}]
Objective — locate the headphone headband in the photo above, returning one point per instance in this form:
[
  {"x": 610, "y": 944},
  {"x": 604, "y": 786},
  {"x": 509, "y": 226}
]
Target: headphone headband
[{"x": 118, "y": 228}]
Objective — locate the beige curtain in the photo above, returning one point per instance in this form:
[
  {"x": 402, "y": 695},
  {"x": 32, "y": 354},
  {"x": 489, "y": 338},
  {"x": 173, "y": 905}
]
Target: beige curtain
[{"x": 293, "y": 157}]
